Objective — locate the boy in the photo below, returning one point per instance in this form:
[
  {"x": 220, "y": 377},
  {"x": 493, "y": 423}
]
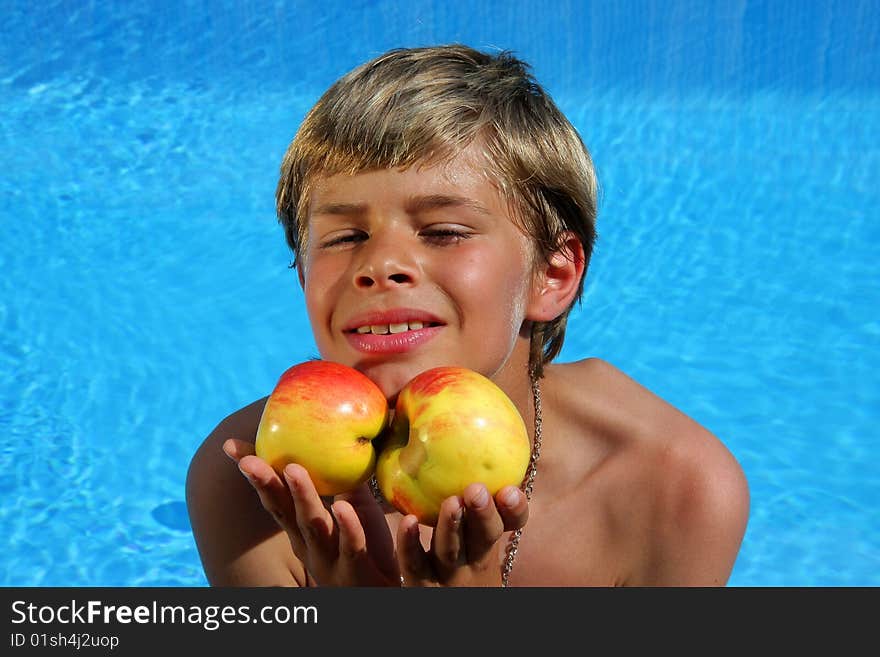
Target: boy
[{"x": 441, "y": 211}]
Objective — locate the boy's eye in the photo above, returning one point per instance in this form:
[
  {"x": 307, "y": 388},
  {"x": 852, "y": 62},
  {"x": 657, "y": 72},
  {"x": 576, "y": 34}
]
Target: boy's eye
[
  {"x": 445, "y": 235},
  {"x": 342, "y": 239},
  {"x": 441, "y": 235}
]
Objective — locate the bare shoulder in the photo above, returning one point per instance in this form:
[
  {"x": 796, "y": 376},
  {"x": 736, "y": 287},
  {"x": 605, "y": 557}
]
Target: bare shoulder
[
  {"x": 238, "y": 542},
  {"x": 682, "y": 492}
]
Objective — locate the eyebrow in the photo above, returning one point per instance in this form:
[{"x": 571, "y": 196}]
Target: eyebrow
[
  {"x": 345, "y": 209},
  {"x": 414, "y": 205},
  {"x": 438, "y": 201}
]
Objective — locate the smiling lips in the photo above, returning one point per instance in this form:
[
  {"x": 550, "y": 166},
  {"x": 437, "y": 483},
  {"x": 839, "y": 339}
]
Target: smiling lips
[
  {"x": 384, "y": 329},
  {"x": 392, "y": 332}
]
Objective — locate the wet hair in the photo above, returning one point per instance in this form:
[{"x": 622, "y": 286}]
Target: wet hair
[{"x": 424, "y": 106}]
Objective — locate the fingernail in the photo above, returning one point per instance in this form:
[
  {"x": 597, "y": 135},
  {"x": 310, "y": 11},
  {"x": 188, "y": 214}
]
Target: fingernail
[
  {"x": 289, "y": 475},
  {"x": 509, "y": 497},
  {"x": 481, "y": 499}
]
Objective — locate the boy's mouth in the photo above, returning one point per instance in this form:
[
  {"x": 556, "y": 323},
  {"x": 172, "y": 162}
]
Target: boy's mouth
[
  {"x": 391, "y": 321},
  {"x": 395, "y": 328},
  {"x": 392, "y": 331}
]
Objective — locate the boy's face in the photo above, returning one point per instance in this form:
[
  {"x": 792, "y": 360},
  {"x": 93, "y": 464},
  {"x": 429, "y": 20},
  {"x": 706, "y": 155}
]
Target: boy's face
[{"x": 412, "y": 269}]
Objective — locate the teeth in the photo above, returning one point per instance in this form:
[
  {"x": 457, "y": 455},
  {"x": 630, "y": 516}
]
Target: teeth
[{"x": 385, "y": 329}]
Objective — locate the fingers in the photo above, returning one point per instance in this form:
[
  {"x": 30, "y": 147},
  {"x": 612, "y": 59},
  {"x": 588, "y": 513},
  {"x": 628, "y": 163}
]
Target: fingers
[
  {"x": 415, "y": 566},
  {"x": 238, "y": 449},
  {"x": 465, "y": 542},
  {"x": 352, "y": 541},
  {"x": 448, "y": 541},
  {"x": 274, "y": 496},
  {"x": 312, "y": 518},
  {"x": 513, "y": 507},
  {"x": 357, "y": 560},
  {"x": 292, "y": 501},
  {"x": 340, "y": 545},
  {"x": 483, "y": 525},
  {"x": 371, "y": 519}
]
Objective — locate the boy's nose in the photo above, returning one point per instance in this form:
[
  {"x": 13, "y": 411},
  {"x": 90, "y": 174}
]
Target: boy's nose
[
  {"x": 391, "y": 280},
  {"x": 387, "y": 266}
]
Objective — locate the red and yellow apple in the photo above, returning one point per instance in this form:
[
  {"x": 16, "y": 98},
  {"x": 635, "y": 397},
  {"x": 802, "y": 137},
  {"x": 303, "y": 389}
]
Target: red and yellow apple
[
  {"x": 452, "y": 427},
  {"x": 323, "y": 416}
]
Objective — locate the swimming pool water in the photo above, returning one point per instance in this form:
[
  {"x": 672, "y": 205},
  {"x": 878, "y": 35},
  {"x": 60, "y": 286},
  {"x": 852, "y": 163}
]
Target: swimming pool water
[{"x": 146, "y": 292}]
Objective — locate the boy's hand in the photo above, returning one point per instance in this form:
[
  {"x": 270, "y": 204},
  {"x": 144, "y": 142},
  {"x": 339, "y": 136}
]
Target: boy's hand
[
  {"x": 343, "y": 543},
  {"x": 465, "y": 547}
]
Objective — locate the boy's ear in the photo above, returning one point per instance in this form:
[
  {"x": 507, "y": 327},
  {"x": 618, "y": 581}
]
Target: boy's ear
[
  {"x": 300, "y": 275},
  {"x": 558, "y": 280}
]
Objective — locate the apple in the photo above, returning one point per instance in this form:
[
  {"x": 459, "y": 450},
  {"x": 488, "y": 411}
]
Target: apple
[
  {"x": 323, "y": 416},
  {"x": 452, "y": 427}
]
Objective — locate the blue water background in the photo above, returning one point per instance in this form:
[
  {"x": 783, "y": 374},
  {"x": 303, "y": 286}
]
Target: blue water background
[{"x": 145, "y": 290}]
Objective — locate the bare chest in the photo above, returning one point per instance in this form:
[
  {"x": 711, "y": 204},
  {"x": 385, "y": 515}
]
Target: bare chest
[{"x": 568, "y": 544}]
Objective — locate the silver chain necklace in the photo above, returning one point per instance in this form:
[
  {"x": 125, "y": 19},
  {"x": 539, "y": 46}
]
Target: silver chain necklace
[{"x": 526, "y": 486}]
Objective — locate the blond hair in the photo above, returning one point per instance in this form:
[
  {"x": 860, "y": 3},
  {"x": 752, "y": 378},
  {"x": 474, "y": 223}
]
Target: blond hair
[{"x": 417, "y": 105}]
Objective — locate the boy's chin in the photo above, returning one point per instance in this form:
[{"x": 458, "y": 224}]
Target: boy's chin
[{"x": 391, "y": 378}]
